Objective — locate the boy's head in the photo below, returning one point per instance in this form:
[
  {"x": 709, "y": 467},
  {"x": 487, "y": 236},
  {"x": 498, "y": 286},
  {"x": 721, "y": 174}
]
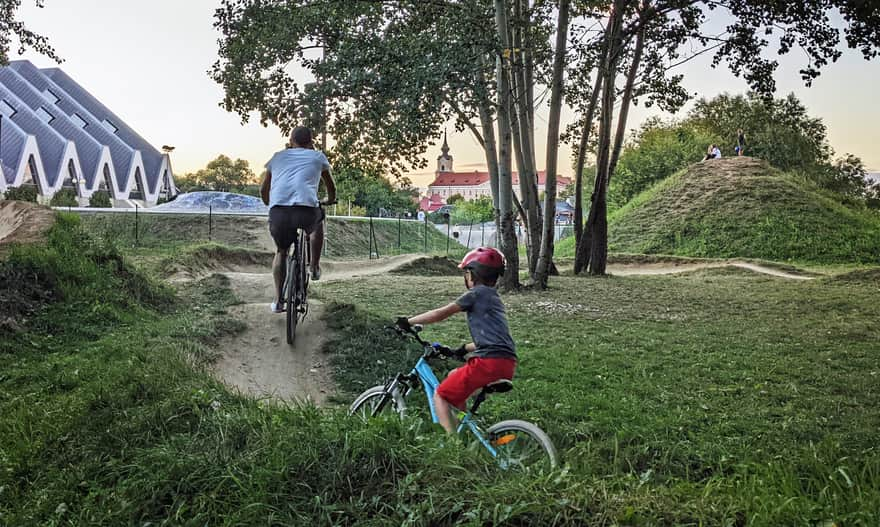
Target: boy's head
[{"x": 482, "y": 266}]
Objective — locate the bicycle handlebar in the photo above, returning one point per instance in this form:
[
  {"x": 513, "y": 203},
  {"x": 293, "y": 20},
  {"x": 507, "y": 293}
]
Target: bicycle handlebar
[{"x": 437, "y": 349}]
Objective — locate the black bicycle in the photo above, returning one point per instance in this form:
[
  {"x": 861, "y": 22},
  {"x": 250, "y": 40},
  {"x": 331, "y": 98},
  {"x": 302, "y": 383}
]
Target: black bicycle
[{"x": 295, "y": 295}]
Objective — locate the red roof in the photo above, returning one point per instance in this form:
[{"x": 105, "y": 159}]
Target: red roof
[
  {"x": 467, "y": 179},
  {"x": 431, "y": 204}
]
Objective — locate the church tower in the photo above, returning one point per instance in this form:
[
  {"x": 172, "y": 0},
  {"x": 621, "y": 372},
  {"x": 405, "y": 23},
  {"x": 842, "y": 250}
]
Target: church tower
[{"x": 444, "y": 162}]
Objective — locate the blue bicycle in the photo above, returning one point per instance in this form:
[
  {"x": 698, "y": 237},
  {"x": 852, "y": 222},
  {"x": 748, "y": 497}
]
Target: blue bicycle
[{"x": 513, "y": 443}]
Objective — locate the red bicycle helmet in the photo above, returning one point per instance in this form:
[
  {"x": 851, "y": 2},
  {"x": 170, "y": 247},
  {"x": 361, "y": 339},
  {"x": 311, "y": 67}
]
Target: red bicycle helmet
[{"x": 485, "y": 261}]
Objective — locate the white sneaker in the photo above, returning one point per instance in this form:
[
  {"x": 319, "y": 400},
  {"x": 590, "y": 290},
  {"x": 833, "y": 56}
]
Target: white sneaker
[{"x": 275, "y": 308}]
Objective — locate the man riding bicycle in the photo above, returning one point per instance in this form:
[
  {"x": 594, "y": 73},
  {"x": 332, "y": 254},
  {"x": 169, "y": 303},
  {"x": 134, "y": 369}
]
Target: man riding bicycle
[{"x": 290, "y": 189}]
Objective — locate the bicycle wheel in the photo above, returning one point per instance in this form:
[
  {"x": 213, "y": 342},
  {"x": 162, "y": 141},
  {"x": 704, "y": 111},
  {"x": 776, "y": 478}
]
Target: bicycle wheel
[
  {"x": 303, "y": 289},
  {"x": 290, "y": 296},
  {"x": 366, "y": 403},
  {"x": 521, "y": 445}
]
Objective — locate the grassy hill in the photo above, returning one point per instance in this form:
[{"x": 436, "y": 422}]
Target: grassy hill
[{"x": 741, "y": 207}]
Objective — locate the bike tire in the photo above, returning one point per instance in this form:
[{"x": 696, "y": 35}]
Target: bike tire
[
  {"x": 290, "y": 301},
  {"x": 522, "y": 445},
  {"x": 367, "y": 401}
]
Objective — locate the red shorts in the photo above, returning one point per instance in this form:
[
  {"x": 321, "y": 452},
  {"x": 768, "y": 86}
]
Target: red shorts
[{"x": 463, "y": 382}]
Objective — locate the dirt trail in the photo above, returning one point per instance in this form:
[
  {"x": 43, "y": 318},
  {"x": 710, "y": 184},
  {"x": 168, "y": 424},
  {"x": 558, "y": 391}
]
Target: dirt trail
[
  {"x": 672, "y": 268},
  {"x": 259, "y": 362},
  {"x": 22, "y": 222}
]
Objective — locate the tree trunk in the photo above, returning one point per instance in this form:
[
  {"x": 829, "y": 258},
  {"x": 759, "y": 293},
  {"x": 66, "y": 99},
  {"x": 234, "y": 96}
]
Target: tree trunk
[
  {"x": 509, "y": 246},
  {"x": 598, "y": 219},
  {"x": 546, "y": 257},
  {"x": 524, "y": 132},
  {"x": 579, "y": 261}
]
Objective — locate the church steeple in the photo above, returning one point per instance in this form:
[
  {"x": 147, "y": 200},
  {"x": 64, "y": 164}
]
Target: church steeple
[{"x": 444, "y": 162}]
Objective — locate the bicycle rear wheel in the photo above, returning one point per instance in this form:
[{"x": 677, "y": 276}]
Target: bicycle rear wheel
[
  {"x": 520, "y": 445},
  {"x": 290, "y": 289}
]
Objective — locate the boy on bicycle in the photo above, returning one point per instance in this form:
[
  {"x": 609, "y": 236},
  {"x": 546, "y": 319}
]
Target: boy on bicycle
[
  {"x": 290, "y": 189},
  {"x": 492, "y": 354}
]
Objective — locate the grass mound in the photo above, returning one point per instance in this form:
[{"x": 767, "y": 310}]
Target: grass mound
[
  {"x": 74, "y": 279},
  {"x": 211, "y": 256},
  {"x": 429, "y": 266},
  {"x": 867, "y": 276},
  {"x": 742, "y": 208}
]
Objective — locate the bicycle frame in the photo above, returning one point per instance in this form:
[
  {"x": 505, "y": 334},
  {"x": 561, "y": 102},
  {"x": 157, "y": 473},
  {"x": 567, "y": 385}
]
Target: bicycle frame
[{"x": 429, "y": 382}]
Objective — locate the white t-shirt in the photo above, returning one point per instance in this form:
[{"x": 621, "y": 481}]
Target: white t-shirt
[{"x": 296, "y": 173}]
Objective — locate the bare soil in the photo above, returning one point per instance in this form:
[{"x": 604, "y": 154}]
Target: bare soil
[
  {"x": 258, "y": 361},
  {"x": 23, "y": 222}
]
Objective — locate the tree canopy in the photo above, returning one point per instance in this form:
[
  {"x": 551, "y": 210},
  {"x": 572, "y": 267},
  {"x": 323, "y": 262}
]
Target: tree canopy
[{"x": 13, "y": 28}]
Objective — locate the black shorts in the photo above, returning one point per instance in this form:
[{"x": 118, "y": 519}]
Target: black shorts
[{"x": 285, "y": 219}]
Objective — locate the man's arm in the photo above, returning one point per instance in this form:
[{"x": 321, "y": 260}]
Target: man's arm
[
  {"x": 265, "y": 186},
  {"x": 330, "y": 184}
]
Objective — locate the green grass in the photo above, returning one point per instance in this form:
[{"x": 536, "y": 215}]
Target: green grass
[
  {"x": 716, "y": 397},
  {"x": 710, "y": 398},
  {"x": 345, "y": 238},
  {"x": 742, "y": 208}
]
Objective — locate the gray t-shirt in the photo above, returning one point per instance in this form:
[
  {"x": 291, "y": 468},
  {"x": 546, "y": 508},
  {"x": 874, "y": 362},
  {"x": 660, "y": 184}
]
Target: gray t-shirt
[
  {"x": 487, "y": 322},
  {"x": 296, "y": 173}
]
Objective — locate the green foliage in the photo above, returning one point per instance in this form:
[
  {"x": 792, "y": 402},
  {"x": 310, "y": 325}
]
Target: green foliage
[
  {"x": 22, "y": 193},
  {"x": 479, "y": 210},
  {"x": 223, "y": 175},
  {"x": 65, "y": 197},
  {"x": 455, "y": 198},
  {"x": 777, "y": 130},
  {"x": 657, "y": 151},
  {"x": 100, "y": 199},
  {"x": 372, "y": 192}
]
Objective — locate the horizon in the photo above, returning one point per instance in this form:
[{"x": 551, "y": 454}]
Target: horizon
[{"x": 164, "y": 93}]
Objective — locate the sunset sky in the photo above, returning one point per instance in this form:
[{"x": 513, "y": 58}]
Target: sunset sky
[{"x": 147, "y": 61}]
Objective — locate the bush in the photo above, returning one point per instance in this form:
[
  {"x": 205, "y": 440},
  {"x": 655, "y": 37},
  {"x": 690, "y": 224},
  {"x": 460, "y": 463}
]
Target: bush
[
  {"x": 22, "y": 193},
  {"x": 657, "y": 151},
  {"x": 65, "y": 197},
  {"x": 100, "y": 199},
  {"x": 475, "y": 211}
]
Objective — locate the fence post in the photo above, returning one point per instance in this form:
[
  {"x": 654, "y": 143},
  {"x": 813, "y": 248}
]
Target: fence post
[
  {"x": 210, "y": 221},
  {"x": 398, "y": 231},
  {"x": 135, "y": 224},
  {"x": 448, "y": 228},
  {"x": 426, "y": 233},
  {"x": 371, "y": 237},
  {"x": 483, "y": 234},
  {"x": 470, "y": 230}
]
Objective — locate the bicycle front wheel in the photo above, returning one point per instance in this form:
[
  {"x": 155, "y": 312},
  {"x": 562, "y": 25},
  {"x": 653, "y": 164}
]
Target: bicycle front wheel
[
  {"x": 376, "y": 401},
  {"x": 520, "y": 445}
]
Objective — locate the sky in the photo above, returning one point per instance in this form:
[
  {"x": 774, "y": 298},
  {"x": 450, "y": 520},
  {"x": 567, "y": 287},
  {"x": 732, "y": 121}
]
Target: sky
[{"x": 147, "y": 60}]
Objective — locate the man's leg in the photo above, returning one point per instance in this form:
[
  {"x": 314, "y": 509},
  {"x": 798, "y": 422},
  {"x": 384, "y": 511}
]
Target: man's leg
[
  {"x": 279, "y": 273},
  {"x": 316, "y": 240}
]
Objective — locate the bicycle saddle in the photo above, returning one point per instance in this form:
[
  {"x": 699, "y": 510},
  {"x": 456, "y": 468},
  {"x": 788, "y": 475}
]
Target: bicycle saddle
[{"x": 499, "y": 386}]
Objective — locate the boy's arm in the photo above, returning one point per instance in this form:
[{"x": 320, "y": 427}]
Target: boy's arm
[
  {"x": 264, "y": 187},
  {"x": 436, "y": 315}
]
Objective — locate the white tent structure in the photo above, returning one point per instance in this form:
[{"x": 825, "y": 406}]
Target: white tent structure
[{"x": 54, "y": 134}]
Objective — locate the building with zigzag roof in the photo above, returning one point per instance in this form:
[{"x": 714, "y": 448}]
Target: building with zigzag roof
[{"x": 54, "y": 134}]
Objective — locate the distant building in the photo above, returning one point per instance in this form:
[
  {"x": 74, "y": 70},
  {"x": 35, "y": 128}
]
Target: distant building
[
  {"x": 54, "y": 134},
  {"x": 473, "y": 185},
  {"x": 874, "y": 178}
]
